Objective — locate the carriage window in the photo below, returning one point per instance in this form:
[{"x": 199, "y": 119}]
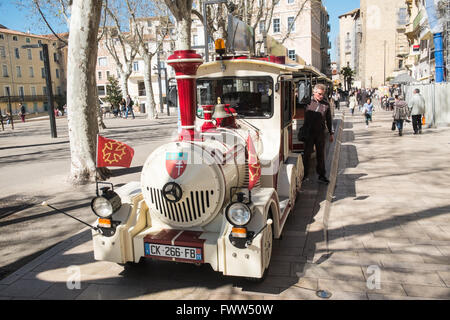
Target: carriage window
[{"x": 251, "y": 97}]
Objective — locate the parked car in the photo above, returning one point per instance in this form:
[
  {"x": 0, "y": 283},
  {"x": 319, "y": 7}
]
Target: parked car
[{"x": 105, "y": 106}]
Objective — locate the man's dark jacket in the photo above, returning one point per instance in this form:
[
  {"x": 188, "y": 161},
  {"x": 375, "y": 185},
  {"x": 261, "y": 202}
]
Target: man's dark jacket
[{"x": 317, "y": 116}]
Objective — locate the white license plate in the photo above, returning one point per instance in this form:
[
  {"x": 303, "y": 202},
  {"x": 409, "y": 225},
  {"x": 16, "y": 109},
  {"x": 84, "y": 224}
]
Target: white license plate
[{"x": 162, "y": 250}]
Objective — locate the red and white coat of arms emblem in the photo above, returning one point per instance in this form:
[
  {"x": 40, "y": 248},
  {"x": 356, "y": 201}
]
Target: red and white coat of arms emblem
[{"x": 176, "y": 163}]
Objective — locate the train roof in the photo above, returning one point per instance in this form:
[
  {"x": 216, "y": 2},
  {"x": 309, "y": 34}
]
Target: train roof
[{"x": 297, "y": 70}]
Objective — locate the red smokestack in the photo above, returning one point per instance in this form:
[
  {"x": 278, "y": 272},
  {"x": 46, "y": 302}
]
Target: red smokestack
[
  {"x": 207, "y": 112},
  {"x": 186, "y": 63}
]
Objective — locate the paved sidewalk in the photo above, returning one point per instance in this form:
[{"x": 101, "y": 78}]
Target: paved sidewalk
[
  {"x": 391, "y": 214},
  {"x": 389, "y": 221},
  {"x": 34, "y": 168}
]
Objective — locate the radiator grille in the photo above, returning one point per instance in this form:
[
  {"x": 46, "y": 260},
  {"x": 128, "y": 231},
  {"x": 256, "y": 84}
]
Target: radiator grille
[{"x": 191, "y": 209}]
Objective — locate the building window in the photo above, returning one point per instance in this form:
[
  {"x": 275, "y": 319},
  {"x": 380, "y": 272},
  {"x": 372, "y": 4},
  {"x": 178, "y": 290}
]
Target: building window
[
  {"x": 30, "y": 56},
  {"x": 141, "y": 89},
  {"x": 99, "y": 75},
  {"x": 18, "y": 72},
  {"x": 5, "y": 70},
  {"x": 58, "y": 91},
  {"x": 55, "y": 57},
  {"x": 15, "y": 38},
  {"x": 41, "y": 55},
  {"x": 276, "y": 25},
  {"x": 102, "y": 62},
  {"x": 402, "y": 16},
  {"x": 195, "y": 40},
  {"x": 2, "y": 36},
  {"x": 135, "y": 66},
  {"x": 101, "y": 90},
  {"x": 21, "y": 92},
  {"x": 7, "y": 91},
  {"x": 57, "y": 73},
  {"x": 107, "y": 74},
  {"x": 31, "y": 72},
  {"x": 292, "y": 55},
  {"x": 43, "y": 72},
  {"x": 262, "y": 26},
  {"x": 33, "y": 91},
  {"x": 290, "y": 1},
  {"x": 27, "y": 40},
  {"x": 17, "y": 53},
  {"x": 291, "y": 23},
  {"x": 2, "y": 52},
  {"x": 44, "y": 91}
]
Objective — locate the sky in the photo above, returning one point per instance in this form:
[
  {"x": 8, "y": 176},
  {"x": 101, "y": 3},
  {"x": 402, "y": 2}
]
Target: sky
[
  {"x": 22, "y": 18},
  {"x": 336, "y": 8},
  {"x": 18, "y": 15}
]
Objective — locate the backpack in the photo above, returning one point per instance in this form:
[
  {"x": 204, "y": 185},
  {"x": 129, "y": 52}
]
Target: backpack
[{"x": 131, "y": 102}]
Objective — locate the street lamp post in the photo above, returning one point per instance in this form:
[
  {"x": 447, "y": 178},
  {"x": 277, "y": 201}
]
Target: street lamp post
[
  {"x": 48, "y": 81},
  {"x": 159, "y": 83},
  {"x": 159, "y": 68},
  {"x": 10, "y": 108},
  {"x": 205, "y": 3}
]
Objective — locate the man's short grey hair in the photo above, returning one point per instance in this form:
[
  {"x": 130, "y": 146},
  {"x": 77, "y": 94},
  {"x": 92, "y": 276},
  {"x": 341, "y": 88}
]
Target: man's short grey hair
[
  {"x": 416, "y": 90},
  {"x": 320, "y": 86}
]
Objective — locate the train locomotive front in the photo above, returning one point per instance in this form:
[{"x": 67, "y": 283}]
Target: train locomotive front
[{"x": 194, "y": 202}]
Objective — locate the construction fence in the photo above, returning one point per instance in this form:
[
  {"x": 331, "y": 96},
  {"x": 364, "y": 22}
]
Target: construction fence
[{"x": 437, "y": 102}]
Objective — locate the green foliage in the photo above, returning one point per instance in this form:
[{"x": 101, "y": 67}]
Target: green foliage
[
  {"x": 113, "y": 92},
  {"x": 348, "y": 74}
]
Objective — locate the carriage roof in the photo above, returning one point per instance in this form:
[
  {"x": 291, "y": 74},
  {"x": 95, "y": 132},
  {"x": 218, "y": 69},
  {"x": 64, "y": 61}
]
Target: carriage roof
[{"x": 297, "y": 70}]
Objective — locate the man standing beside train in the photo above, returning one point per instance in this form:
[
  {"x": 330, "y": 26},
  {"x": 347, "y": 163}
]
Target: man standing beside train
[{"x": 317, "y": 116}]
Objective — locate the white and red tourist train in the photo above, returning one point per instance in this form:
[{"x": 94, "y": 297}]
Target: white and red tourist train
[{"x": 222, "y": 191}]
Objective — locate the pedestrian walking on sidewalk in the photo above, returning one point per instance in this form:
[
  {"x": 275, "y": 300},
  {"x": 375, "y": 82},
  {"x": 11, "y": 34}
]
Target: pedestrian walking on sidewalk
[
  {"x": 401, "y": 113},
  {"x": 317, "y": 116},
  {"x": 352, "y": 103},
  {"x": 368, "y": 111},
  {"x": 130, "y": 104},
  {"x": 122, "y": 107},
  {"x": 417, "y": 107},
  {"x": 336, "y": 97},
  {"x": 22, "y": 112}
]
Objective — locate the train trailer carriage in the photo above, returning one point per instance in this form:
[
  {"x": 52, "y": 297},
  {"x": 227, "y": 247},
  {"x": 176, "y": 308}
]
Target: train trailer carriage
[
  {"x": 223, "y": 190},
  {"x": 305, "y": 78}
]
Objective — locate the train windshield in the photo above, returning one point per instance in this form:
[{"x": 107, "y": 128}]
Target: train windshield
[{"x": 250, "y": 97}]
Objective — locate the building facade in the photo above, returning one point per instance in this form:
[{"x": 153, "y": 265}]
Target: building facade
[
  {"x": 107, "y": 66},
  {"x": 307, "y": 41},
  {"x": 384, "y": 46},
  {"x": 350, "y": 37},
  {"x": 22, "y": 76}
]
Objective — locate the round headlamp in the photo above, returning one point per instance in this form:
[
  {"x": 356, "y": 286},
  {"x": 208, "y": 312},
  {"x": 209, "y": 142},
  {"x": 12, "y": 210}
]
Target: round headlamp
[
  {"x": 107, "y": 204},
  {"x": 238, "y": 214}
]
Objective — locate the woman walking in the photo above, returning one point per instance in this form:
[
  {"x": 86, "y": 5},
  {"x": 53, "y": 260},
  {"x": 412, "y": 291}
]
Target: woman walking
[
  {"x": 352, "y": 103},
  {"x": 368, "y": 111},
  {"x": 401, "y": 113}
]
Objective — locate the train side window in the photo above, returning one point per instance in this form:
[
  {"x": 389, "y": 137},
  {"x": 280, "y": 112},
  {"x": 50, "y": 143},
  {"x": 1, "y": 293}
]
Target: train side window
[
  {"x": 251, "y": 97},
  {"x": 304, "y": 92}
]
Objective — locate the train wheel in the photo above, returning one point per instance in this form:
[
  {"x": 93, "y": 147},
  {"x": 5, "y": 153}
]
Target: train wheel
[{"x": 267, "y": 247}]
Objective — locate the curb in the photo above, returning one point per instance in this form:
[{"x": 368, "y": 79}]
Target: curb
[{"x": 324, "y": 195}]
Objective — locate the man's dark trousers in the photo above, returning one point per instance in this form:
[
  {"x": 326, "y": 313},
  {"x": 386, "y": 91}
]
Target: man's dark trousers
[
  {"x": 319, "y": 142},
  {"x": 417, "y": 122}
]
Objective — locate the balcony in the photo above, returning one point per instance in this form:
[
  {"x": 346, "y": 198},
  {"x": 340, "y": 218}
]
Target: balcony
[
  {"x": 418, "y": 19},
  {"x": 37, "y": 98}
]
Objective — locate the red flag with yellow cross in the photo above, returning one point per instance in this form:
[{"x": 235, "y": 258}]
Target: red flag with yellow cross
[
  {"x": 112, "y": 153},
  {"x": 254, "y": 166}
]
